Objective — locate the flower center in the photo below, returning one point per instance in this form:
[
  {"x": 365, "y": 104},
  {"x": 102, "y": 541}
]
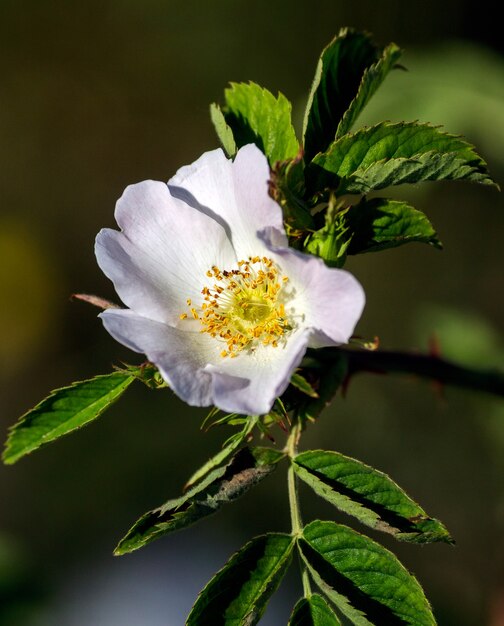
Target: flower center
[{"x": 245, "y": 306}]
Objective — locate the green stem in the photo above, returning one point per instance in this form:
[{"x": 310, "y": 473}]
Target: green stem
[{"x": 296, "y": 522}]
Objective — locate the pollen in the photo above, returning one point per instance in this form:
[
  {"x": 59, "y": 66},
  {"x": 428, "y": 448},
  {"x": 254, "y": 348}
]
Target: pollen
[{"x": 244, "y": 307}]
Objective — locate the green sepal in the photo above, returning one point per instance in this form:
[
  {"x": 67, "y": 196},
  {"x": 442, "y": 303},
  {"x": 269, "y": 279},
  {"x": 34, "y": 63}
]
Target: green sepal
[
  {"x": 254, "y": 115},
  {"x": 147, "y": 373},
  {"x": 392, "y": 154},
  {"x": 313, "y": 611},
  {"x": 365, "y": 581},
  {"x": 64, "y": 411},
  {"x": 238, "y": 594},
  {"x": 218, "y": 487},
  {"x": 224, "y": 132},
  {"x": 369, "y": 495},
  {"x": 338, "y": 77}
]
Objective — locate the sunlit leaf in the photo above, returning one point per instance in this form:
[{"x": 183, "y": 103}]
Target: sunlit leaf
[
  {"x": 256, "y": 116},
  {"x": 369, "y": 495},
  {"x": 391, "y": 154},
  {"x": 220, "y": 486},
  {"x": 224, "y": 132},
  {"x": 372, "y": 78},
  {"x": 237, "y": 595},
  {"x": 64, "y": 411},
  {"x": 337, "y": 79},
  {"x": 365, "y": 581},
  {"x": 313, "y": 611}
]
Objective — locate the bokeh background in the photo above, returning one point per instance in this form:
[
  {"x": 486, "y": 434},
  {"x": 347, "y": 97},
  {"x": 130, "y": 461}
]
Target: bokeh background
[{"x": 98, "y": 94}]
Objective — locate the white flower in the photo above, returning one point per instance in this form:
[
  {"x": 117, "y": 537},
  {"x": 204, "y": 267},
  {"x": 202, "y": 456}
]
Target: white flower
[{"x": 217, "y": 301}]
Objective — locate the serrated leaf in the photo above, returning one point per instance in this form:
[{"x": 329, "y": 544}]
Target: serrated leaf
[
  {"x": 370, "y": 226},
  {"x": 224, "y": 132},
  {"x": 64, "y": 411},
  {"x": 369, "y": 495},
  {"x": 381, "y": 223},
  {"x": 147, "y": 373},
  {"x": 337, "y": 79},
  {"x": 365, "y": 581},
  {"x": 220, "y": 486},
  {"x": 256, "y": 116},
  {"x": 313, "y": 611},
  {"x": 372, "y": 78},
  {"x": 392, "y": 154},
  {"x": 237, "y": 595}
]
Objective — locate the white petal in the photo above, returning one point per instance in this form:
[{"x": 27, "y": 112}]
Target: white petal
[
  {"x": 268, "y": 371},
  {"x": 235, "y": 191},
  {"x": 180, "y": 356},
  {"x": 328, "y": 300},
  {"x": 163, "y": 252}
]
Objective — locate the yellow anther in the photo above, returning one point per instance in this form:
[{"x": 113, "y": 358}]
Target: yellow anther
[{"x": 183, "y": 316}]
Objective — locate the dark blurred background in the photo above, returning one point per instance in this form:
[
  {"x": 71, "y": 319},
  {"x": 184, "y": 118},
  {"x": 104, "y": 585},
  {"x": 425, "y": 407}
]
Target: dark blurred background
[{"x": 99, "y": 94}]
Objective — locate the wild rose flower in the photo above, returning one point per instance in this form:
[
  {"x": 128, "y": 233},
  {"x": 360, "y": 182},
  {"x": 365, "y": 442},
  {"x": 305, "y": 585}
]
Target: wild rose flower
[{"x": 216, "y": 299}]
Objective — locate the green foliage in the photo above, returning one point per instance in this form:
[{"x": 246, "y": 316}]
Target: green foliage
[
  {"x": 369, "y": 495},
  {"x": 255, "y": 116},
  {"x": 224, "y": 132},
  {"x": 391, "y": 154},
  {"x": 338, "y": 84},
  {"x": 370, "y": 226},
  {"x": 227, "y": 450},
  {"x": 64, "y": 411},
  {"x": 237, "y": 595},
  {"x": 371, "y": 79},
  {"x": 220, "y": 486},
  {"x": 313, "y": 611},
  {"x": 300, "y": 382},
  {"x": 365, "y": 581}
]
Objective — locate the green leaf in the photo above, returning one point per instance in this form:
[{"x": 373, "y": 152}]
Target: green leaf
[
  {"x": 237, "y": 595},
  {"x": 224, "y": 132},
  {"x": 64, "y": 411},
  {"x": 303, "y": 385},
  {"x": 372, "y": 78},
  {"x": 365, "y": 581},
  {"x": 370, "y": 226},
  {"x": 233, "y": 444},
  {"x": 337, "y": 80},
  {"x": 313, "y": 611},
  {"x": 220, "y": 486},
  {"x": 256, "y": 116},
  {"x": 381, "y": 223},
  {"x": 392, "y": 154},
  {"x": 369, "y": 495}
]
